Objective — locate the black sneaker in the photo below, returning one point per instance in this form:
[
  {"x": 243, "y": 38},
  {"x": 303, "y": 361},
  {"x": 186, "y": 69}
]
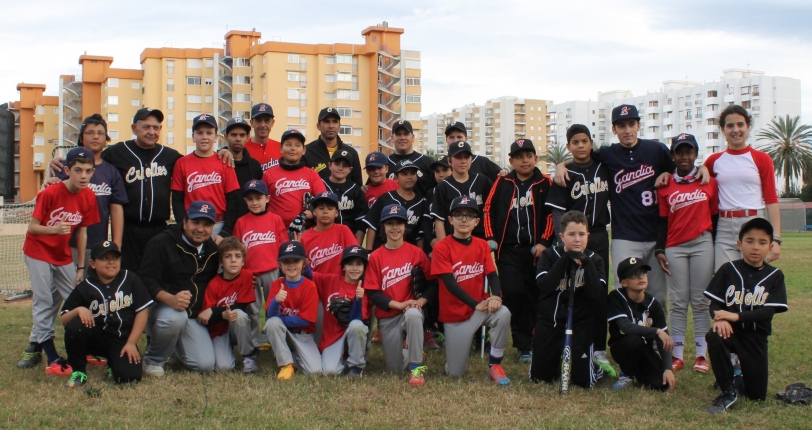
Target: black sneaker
[
  {"x": 726, "y": 400},
  {"x": 355, "y": 373},
  {"x": 31, "y": 357}
]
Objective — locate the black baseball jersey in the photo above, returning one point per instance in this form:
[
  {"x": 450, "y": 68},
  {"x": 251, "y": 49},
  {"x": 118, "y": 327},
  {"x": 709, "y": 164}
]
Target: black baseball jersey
[
  {"x": 476, "y": 187},
  {"x": 317, "y": 156},
  {"x": 634, "y": 171},
  {"x": 587, "y": 191},
  {"x": 743, "y": 289},
  {"x": 112, "y": 305},
  {"x": 416, "y": 211},
  {"x": 647, "y": 313},
  {"x": 425, "y": 176},
  {"x": 552, "y": 279},
  {"x": 147, "y": 175},
  {"x": 352, "y": 206}
]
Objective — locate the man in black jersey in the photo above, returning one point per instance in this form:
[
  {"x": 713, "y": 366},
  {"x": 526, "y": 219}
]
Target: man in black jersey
[{"x": 403, "y": 139}]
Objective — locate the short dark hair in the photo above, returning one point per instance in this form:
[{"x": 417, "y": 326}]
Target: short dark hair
[
  {"x": 573, "y": 216},
  {"x": 230, "y": 243},
  {"x": 737, "y": 109},
  {"x": 757, "y": 224},
  {"x": 82, "y": 160},
  {"x": 96, "y": 119},
  {"x": 346, "y": 261}
]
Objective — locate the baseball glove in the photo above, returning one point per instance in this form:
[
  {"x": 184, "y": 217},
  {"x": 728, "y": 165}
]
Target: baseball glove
[
  {"x": 307, "y": 202},
  {"x": 340, "y": 308},
  {"x": 796, "y": 394},
  {"x": 297, "y": 225},
  {"x": 419, "y": 282}
]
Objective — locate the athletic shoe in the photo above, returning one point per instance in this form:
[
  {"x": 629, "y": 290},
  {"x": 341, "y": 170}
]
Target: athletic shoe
[
  {"x": 428, "y": 341},
  {"x": 77, "y": 379},
  {"x": 416, "y": 376},
  {"x": 439, "y": 337},
  {"x": 622, "y": 383},
  {"x": 726, "y": 400},
  {"x": 599, "y": 358},
  {"x": 96, "y": 361},
  {"x": 285, "y": 372},
  {"x": 525, "y": 356},
  {"x": 676, "y": 364},
  {"x": 355, "y": 373},
  {"x": 31, "y": 357},
  {"x": 266, "y": 346},
  {"x": 701, "y": 365},
  {"x": 59, "y": 367},
  {"x": 377, "y": 337},
  {"x": 249, "y": 365},
  {"x": 496, "y": 373},
  {"x": 109, "y": 372},
  {"x": 154, "y": 370}
]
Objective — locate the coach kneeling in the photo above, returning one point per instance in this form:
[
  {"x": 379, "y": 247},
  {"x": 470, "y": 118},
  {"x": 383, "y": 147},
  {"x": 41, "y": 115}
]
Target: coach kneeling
[{"x": 178, "y": 264}]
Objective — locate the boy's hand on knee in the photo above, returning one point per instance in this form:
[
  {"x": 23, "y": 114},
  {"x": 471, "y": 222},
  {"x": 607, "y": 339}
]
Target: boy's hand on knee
[
  {"x": 85, "y": 317},
  {"x": 203, "y": 317},
  {"x": 722, "y": 328},
  {"x": 132, "y": 353},
  {"x": 670, "y": 380},
  {"x": 668, "y": 343}
]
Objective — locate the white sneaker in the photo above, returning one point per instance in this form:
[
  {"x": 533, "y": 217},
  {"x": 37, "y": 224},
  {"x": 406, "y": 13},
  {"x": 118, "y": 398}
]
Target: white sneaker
[
  {"x": 249, "y": 365},
  {"x": 154, "y": 370}
]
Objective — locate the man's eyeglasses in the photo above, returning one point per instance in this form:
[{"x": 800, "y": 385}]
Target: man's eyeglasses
[{"x": 459, "y": 216}]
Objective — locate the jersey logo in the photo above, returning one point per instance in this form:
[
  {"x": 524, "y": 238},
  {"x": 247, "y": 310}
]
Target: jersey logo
[
  {"x": 625, "y": 180},
  {"x": 524, "y": 201},
  {"x": 60, "y": 215},
  {"x": 321, "y": 255},
  {"x": 464, "y": 272},
  {"x": 393, "y": 276},
  {"x": 228, "y": 300},
  {"x": 579, "y": 280},
  {"x": 586, "y": 188},
  {"x": 288, "y": 311},
  {"x": 758, "y": 297},
  {"x": 271, "y": 163},
  {"x": 412, "y": 220},
  {"x": 101, "y": 308},
  {"x": 284, "y": 186},
  {"x": 195, "y": 181},
  {"x": 474, "y": 196},
  {"x": 345, "y": 204},
  {"x": 319, "y": 167},
  {"x": 678, "y": 200},
  {"x": 251, "y": 238},
  {"x": 153, "y": 171},
  {"x": 100, "y": 189}
]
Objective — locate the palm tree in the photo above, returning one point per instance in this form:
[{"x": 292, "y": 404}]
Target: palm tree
[
  {"x": 788, "y": 144},
  {"x": 556, "y": 154}
]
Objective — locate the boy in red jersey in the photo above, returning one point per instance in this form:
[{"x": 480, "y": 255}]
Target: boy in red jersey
[
  {"x": 463, "y": 263},
  {"x": 337, "y": 340},
  {"x": 261, "y": 232},
  {"x": 291, "y": 179},
  {"x": 291, "y": 311},
  {"x": 61, "y": 209},
  {"x": 326, "y": 241},
  {"x": 202, "y": 176},
  {"x": 377, "y": 167},
  {"x": 389, "y": 284},
  {"x": 225, "y": 303}
]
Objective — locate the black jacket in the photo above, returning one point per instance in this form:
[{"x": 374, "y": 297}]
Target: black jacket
[
  {"x": 554, "y": 270},
  {"x": 170, "y": 264},
  {"x": 246, "y": 169},
  {"x": 317, "y": 158}
]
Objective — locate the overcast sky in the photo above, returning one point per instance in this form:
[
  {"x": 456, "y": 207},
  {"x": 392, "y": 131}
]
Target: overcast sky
[{"x": 471, "y": 50}]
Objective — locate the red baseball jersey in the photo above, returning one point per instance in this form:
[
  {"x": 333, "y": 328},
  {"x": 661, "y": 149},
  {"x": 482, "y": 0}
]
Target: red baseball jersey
[
  {"x": 268, "y": 154},
  {"x": 221, "y": 292},
  {"x": 204, "y": 178},
  {"x": 302, "y": 301},
  {"x": 287, "y": 187},
  {"x": 390, "y": 271},
  {"x": 329, "y": 288},
  {"x": 689, "y": 208},
  {"x": 56, "y": 204},
  {"x": 324, "y": 248},
  {"x": 261, "y": 234},
  {"x": 375, "y": 191},
  {"x": 469, "y": 265}
]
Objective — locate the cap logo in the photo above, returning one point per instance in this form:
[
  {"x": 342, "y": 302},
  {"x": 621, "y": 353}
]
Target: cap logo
[
  {"x": 290, "y": 247},
  {"x": 464, "y": 201},
  {"x": 520, "y": 142},
  {"x": 329, "y": 109},
  {"x": 343, "y": 152},
  {"x": 324, "y": 194},
  {"x": 400, "y": 122},
  {"x": 252, "y": 184},
  {"x": 204, "y": 209},
  {"x": 681, "y": 136},
  {"x": 371, "y": 157},
  {"x": 202, "y": 117},
  {"x": 353, "y": 250},
  {"x": 106, "y": 243},
  {"x": 633, "y": 260},
  {"x": 624, "y": 110},
  {"x": 394, "y": 210},
  {"x": 262, "y": 107},
  {"x": 238, "y": 119},
  {"x": 461, "y": 144}
]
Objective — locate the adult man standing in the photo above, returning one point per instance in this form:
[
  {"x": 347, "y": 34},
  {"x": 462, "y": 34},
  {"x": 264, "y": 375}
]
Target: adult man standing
[
  {"x": 320, "y": 150},
  {"x": 261, "y": 147},
  {"x": 455, "y": 132},
  {"x": 403, "y": 139},
  {"x": 178, "y": 264},
  {"x": 247, "y": 168}
]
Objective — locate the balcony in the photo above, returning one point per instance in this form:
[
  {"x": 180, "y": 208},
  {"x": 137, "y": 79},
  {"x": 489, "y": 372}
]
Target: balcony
[
  {"x": 730, "y": 98},
  {"x": 519, "y": 109},
  {"x": 519, "y": 119},
  {"x": 668, "y": 108},
  {"x": 712, "y": 143},
  {"x": 711, "y": 101},
  {"x": 654, "y": 109}
]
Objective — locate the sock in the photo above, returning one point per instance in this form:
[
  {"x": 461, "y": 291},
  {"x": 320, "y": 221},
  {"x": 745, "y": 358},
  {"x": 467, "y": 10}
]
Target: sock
[
  {"x": 701, "y": 346},
  {"x": 35, "y": 346},
  {"x": 50, "y": 350},
  {"x": 413, "y": 366},
  {"x": 495, "y": 357},
  {"x": 679, "y": 345}
]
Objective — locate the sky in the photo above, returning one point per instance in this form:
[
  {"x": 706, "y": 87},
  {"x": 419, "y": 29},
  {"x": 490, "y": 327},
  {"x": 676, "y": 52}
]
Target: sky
[{"x": 471, "y": 50}]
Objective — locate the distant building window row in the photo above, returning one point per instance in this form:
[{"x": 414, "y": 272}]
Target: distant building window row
[
  {"x": 412, "y": 98},
  {"x": 412, "y": 64},
  {"x": 242, "y": 62},
  {"x": 412, "y": 82}
]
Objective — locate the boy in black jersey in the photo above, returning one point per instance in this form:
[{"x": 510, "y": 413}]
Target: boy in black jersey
[
  {"x": 441, "y": 170},
  {"x": 460, "y": 183},
  {"x": 352, "y": 206},
  {"x": 405, "y": 195},
  {"x": 744, "y": 295}
]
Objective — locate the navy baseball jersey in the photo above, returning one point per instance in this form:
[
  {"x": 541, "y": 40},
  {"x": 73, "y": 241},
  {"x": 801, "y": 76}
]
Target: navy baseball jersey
[
  {"x": 587, "y": 191},
  {"x": 633, "y": 172},
  {"x": 352, "y": 205},
  {"x": 477, "y": 187},
  {"x": 417, "y": 209},
  {"x": 647, "y": 313}
]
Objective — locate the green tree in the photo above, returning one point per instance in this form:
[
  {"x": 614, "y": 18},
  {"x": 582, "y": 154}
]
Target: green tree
[
  {"x": 556, "y": 154},
  {"x": 788, "y": 144},
  {"x": 431, "y": 153}
]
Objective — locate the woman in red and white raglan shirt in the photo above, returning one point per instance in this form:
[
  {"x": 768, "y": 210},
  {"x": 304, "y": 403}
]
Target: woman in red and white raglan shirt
[
  {"x": 746, "y": 180},
  {"x": 688, "y": 212}
]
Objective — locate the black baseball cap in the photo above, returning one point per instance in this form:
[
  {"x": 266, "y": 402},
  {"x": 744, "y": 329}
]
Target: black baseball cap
[
  {"x": 261, "y": 109},
  {"x": 328, "y": 111},
  {"x": 80, "y": 152},
  {"x": 341, "y": 155},
  {"x": 624, "y": 112},
  {"x": 201, "y": 209},
  {"x": 459, "y": 147},
  {"x": 455, "y": 126},
  {"x": 577, "y": 129},
  {"x": 237, "y": 122},
  {"x": 100, "y": 249},
  {"x": 354, "y": 251},
  {"x": 464, "y": 202},
  {"x": 296, "y": 134},
  {"x": 392, "y": 212},
  {"x": 143, "y": 113},
  {"x": 291, "y": 249},
  {"x": 376, "y": 159},
  {"x": 630, "y": 265},
  {"x": 407, "y": 164},
  {"x": 441, "y": 160},
  {"x": 402, "y": 124},
  {"x": 204, "y": 118},
  {"x": 325, "y": 196},
  {"x": 684, "y": 139},
  {"x": 522, "y": 145},
  {"x": 255, "y": 185},
  {"x": 757, "y": 223}
]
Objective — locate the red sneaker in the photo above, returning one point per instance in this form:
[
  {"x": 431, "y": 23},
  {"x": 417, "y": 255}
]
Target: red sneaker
[
  {"x": 93, "y": 360},
  {"x": 676, "y": 363},
  {"x": 377, "y": 337},
  {"x": 416, "y": 376},
  {"x": 701, "y": 365},
  {"x": 59, "y": 367}
]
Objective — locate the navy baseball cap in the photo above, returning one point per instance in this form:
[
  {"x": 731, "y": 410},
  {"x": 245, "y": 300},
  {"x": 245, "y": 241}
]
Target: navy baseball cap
[
  {"x": 577, "y": 129},
  {"x": 402, "y": 124},
  {"x": 328, "y": 112},
  {"x": 255, "y": 185},
  {"x": 630, "y": 265},
  {"x": 143, "y": 113},
  {"x": 291, "y": 249},
  {"x": 407, "y": 164},
  {"x": 237, "y": 122},
  {"x": 354, "y": 251},
  {"x": 325, "y": 196},
  {"x": 102, "y": 248},
  {"x": 204, "y": 118},
  {"x": 464, "y": 202},
  {"x": 684, "y": 139},
  {"x": 376, "y": 159},
  {"x": 459, "y": 147},
  {"x": 392, "y": 212},
  {"x": 441, "y": 160},
  {"x": 80, "y": 152},
  {"x": 261, "y": 109},
  {"x": 522, "y": 145},
  {"x": 455, "y": 126},
  {"x": 341, "y": 155},
  {"x": 201, "y": 209},
  {"x": 624, "y": 112},
  {"x": 296, "y": 134}
]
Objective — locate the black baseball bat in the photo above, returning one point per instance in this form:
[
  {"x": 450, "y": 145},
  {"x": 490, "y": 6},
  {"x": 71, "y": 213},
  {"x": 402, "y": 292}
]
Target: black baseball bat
[{"x": 566, "y": 354}]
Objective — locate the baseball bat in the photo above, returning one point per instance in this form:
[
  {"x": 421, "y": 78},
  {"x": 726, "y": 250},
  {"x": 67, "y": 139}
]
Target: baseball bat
[{"x": 566, "y": 354}]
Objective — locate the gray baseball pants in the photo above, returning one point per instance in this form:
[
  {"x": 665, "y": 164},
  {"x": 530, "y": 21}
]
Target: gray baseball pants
[{"x": 458, "y": 337}]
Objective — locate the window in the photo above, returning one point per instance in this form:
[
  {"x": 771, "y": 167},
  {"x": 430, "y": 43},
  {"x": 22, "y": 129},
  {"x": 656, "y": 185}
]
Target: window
[
  {"x": 330, "y": 78},
  {"x": 412, "y": 98},
  {"x": 170, "y": 67},
  {"x": 293, "y": 76},
  {"x": 414, "y": 82},
  {"x": 56, "y": 110},
  {"x": 242, "y": 97},
  {"x": 170, "y": 102},
  {"x": 347, "y": 95},
  {"x": 112, "y": 117},
  {"x": 601, "y": 137},
  {"x": 293, "y": 58},
  {"x": 209, "y": 63},
  {"x": 170, "y": 119},
  {"x": 194, "y": 63},
  {"x": 135, "y": 85},
  {"x": 532, "y": 128},
  {"x": 356, "y": 131},
  {"x": 698, "y": 113},
  {"x": 731, "y": 90},
  {"x": 412, "y": 116},
  {"x": 330, "y": 60},
  {"x": 170, "y": 84},
  {"x": 135, "y": 102},
  {"x": 343, "y": 59},
  {"x": 746, "y": 104},
  {"x": 343, "y": 77},
  {"x": 191, "y": 114},
  {"x": 668, "y": 102},
  {"x": 755, "y": 90},
  {"x": 170, "y": 137},
  {"x": 112, "y": 82},
  {"x": 689, "y": 114},
  {"x": 745, "y": 90},
  {"x": 193, "y": 80},
  {"x": 242, "y": 80},
  {"x": 208, "y": 81},
  {"x": 652, "y": 103},
  {"x": 209, "y": 99},
  {"x": 345, "y": 130},
  {"x": 713, "y": 108},
  {"x": 412, "y": 64},
  {"x": 293, "y": 94},
  {"x": 40, "y": 110},
  {"x": 712, "y": 121},
  {"x": 188, "y": 133},
  {"x": 113, "y": 134},
  {"x": 712, "y": 93},
  {"x": 242, "y": 62},
  {"x": 193, "y": 99},
  {"x": 303, "y": 118},
  {"x": 293, "y": 112},
  {"x": 244, "y": 114},
  {"x": 39, "y": 141},
  {"x": 653, "y": 116},
  {"x": 713, "y": 135},
  {"x": 344, "y": 112}
]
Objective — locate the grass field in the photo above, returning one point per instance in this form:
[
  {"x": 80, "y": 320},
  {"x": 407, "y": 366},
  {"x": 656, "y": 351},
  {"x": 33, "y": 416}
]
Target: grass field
[{"x": 187, "y": 400}]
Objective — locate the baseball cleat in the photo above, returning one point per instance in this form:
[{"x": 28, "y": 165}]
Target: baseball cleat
[
  {"x": 31, "y": 357},
  {"x": 154, "y": 370},
  {"x": 355, "y": 373},
  {"x": 496, "y": 373},
  {"x": 249, "y": 365},
  {"x": 266, "y": 346},
  {"x": 416, "y": 377},
  {"x": 285, "y": 372},
  {"x": 525, "y": 356},
  {"x": 59, "y": 367},
  {"x": 622, "y": 383},
  {"x": 676, "y": 364},
  {"x": 94, "y": 360},
  {"x": 726, "y": 400},
  {"x": 599, "y": 358},
  {"x": 701, "y": 365},
  {"x": 77, "y": 379}
]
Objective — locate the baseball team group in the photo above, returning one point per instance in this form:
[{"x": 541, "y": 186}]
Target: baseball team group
[{"x": 422, "y": 254}]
